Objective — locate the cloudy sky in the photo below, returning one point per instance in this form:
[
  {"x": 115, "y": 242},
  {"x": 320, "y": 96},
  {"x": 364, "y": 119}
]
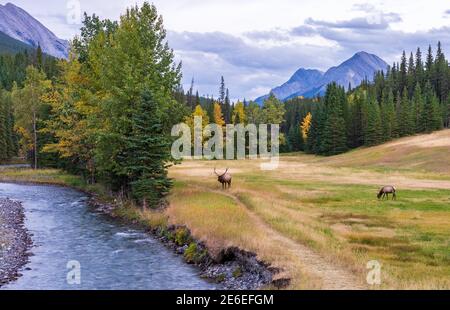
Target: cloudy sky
[{"x": 259, "y": 44}]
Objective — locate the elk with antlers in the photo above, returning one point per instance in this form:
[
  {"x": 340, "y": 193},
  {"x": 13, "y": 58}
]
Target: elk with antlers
[{"x": 224, "y": 179}]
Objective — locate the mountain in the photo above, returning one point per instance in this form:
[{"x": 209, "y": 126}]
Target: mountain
[
  {"x": 301, "y": 81},
  {"x": 18, "y": 24},
  {"x": 312, "y": 83},
  {"x": 10, "y": 45}
]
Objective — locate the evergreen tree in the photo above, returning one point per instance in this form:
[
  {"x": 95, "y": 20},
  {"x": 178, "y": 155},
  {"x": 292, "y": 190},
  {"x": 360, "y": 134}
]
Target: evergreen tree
[
  {"x": 334, "y": 138},
  {"x": 419, "y": 73},
  {"x": 411, "y": 79},
  {"x": 149, "y": 147},
  {"x": 403, "y": 72},
  {"x": 418, "y": 109},
  {"x": 432, "y": 118},
  {"x": 405, "y": 116},
  {"x": 314, "y": 139},
  {"x": 222, "y": 91},
  {"x": 227, "y": 109},
  {"x": 429, "y": 65},
  {"x": 373, "y": 134},
  {"x": 39, "y": 58},
  {"x": 294, "y": 139}
]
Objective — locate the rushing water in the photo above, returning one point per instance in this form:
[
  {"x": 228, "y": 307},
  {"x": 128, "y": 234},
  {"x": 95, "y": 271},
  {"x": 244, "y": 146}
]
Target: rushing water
[{"x": 111, "y": 255}]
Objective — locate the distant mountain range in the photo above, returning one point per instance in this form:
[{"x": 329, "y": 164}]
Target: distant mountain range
[
  {"x": 17, "y": 24},
  {"x": 311, "y": 83}
]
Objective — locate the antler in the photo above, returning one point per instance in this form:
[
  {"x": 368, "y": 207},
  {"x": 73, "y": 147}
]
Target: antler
[{"x": 220, "y": 175}]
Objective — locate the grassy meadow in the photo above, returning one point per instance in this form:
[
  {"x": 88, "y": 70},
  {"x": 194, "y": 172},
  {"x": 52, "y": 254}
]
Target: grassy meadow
[{"x": 318, "y": 219}]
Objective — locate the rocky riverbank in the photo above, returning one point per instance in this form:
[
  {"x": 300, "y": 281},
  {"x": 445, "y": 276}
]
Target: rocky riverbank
[{"x": 15, "y": 240}]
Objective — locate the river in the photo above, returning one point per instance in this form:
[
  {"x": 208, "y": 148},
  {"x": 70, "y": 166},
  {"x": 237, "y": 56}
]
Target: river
[{"x": 110, "y": 255}]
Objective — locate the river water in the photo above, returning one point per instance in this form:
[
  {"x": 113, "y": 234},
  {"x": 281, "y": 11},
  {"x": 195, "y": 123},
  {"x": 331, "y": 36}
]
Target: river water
[{"x": 110, "y": 255}]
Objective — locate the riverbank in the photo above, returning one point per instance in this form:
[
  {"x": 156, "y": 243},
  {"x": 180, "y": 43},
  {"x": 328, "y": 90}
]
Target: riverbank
[
  {"x": 231, "y": 267},
  {"x": 15, "y": 241}
]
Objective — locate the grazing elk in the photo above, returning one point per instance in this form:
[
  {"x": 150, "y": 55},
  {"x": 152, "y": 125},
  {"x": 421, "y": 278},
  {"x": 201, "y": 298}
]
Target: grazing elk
[
  {"x": 224, "y": 179},
  {"x": 385, "y": 191}
]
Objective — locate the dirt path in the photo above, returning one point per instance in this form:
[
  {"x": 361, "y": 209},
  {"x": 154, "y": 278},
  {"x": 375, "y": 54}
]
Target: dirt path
[{"x": 331, "y": 276}]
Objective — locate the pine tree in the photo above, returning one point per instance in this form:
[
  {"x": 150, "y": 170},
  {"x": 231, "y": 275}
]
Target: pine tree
[
  {"x": 314, "y": 139},
  {"x": 190, "y": 96},
  {"x": 227, "y": 109},
  {"x": 403, "y": 72},
  {"x": 150, "y": 149},
  {"x": 429, "y": 65},
  {"x": 441, "y": 75},
  {"x": 295, "y": 141},
  {"x": 418, "y": 110},
  {"x": 419, "y": 76},
  {"x": 222, "y": 91},
  {"x": 373, "y": 135},
  {"x": 334, "y": 135},
  {"x": 391, "y": 115},
  {"x": 405, "y": 118},
  {"x": 432, "y": 118},
  {"x": 385, "y": 120},
  {"x": 411, "y": 79},
  {"x": 357, "y": 116},
  {"x": 39, "y": 58}
]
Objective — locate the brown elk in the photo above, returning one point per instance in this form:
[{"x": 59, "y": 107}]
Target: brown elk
[
  {"x": 224, "y": 179},
  {"x": 385, "y": 191}
]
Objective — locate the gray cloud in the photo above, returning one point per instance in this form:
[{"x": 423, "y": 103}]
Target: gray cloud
[
  {"x": 251, "y": 69},
  {"x": 276, "y": 35},
  {"x": 376, "y": 21}
]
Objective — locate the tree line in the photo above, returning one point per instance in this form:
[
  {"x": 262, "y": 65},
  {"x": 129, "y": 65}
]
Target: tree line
[{"x": 411, "y": 97}]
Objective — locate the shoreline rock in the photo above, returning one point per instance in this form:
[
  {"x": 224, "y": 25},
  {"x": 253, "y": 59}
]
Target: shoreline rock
[{"x": 15, "y": 241}]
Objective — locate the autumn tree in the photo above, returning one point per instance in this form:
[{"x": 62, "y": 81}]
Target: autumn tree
[{"x": 28, "y": 103}]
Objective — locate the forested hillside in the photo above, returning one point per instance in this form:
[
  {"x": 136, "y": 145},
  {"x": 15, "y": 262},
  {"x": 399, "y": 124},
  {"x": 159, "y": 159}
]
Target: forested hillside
[{"x": 9, "y": 45}]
